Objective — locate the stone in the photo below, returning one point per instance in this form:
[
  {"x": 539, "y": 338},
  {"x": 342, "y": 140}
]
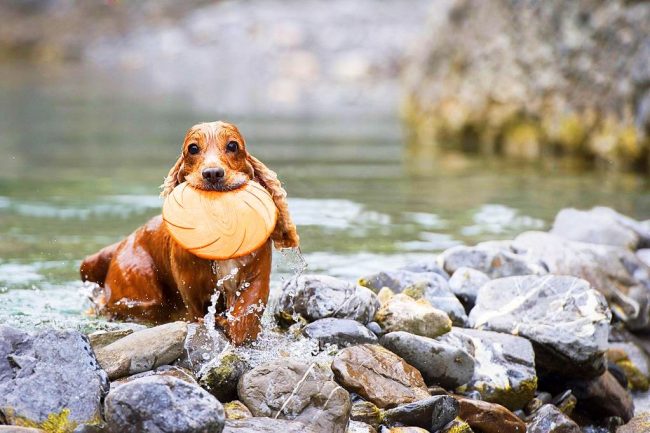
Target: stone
[
  {"x": 633, "y": 361},
  {"x": 367, "y": 413},
  {"x": 143, "y": 350},
  {"x": 548, "y": 419},
  {"x": 378, "y": 375},
  {"x": 439, "y": 363},
  {"x": 267, "y": 425},
  {"x": 602, "y": 397},
  {"x": 600, "y": 225},
  {"x": 201, "y": 346},
  {"x": 403, "y": 313},
  {"x": 163, "y": 404},
  {"x": 236, "y": 410},
  {"x": 57, "y": 366},
  {"x": 163, "y": 370},
  {"x": 495, "y": 262},
  {"x": 504, "y": 371},
  {"x": 294, "y": 390},
  {"x": 431, "y": 413},
  {"x": 360, "y": 427},
  {"x": 426, "y": 266},
  {"x": 319, "y": 296},
  {"x": 456, "y": 426},
  {"x": 565, "y": 319},
  {"x": 99, "y": 339},
  {"x": 408, "y": 429},
  {"x": 489, "y": 417},
  {"x": 639, "y": 424},
  {"x": 221, "y": 375},
  {"x": 341, "y": 332},
  {"x": 465, "y": 283},
  {"x": 15, "y": 429}
]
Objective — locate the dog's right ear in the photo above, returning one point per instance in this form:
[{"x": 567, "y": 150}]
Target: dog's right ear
[{"x": 175, "y": 176}]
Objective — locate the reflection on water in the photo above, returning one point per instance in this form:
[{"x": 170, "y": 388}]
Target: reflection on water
[{"x": 81, "y": 165}]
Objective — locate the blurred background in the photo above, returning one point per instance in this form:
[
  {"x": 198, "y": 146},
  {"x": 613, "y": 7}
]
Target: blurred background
[{"x": 399, "y": 127}]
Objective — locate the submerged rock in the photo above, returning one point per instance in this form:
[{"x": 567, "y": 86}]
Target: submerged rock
[
  {"x": 442, "y": 364},
  {"x": 300, "y": 391},
  {"x": 403, "y": 313},
  {"x": 548, "y": 419},
  {"x": 602, "y": 397},
  {"x": 267, "y": 425},
  {"x": 565, "y": 319},
  {"x": 342, "y": 332},
  {"x": 430, "y": 413},
  {"x": 143, "y": 350},
  {"x": 489, "y": 417},
  {"x": 378, "y": 375},
  {"x": 319, "y": 296},
  {"x": 495, "y": 262},
  {"x": 164, "y": 405},
  {"x": 465, "y": 284},
  {"x": 59, "y": 368},
  {"x": 504, "y": 370},
  {"x": 200, "y": 347}
]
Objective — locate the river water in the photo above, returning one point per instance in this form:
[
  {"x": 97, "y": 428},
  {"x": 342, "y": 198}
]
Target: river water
[{"x": 81, "y": 158}]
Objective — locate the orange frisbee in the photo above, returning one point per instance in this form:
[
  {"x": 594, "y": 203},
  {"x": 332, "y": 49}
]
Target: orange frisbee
[{"x": 220, "y": 225}]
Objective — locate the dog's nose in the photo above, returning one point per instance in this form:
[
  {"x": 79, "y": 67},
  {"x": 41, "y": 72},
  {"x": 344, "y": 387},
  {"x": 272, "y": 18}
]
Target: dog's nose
[{"x": 213, "y": 174}]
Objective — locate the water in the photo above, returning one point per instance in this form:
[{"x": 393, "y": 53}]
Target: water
[{"x": 82, "y": 157}]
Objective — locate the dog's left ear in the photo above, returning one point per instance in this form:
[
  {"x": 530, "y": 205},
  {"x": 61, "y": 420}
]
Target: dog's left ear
[
  {"x": 175, "y": 176},
  {"x": 285, "y": 234}
]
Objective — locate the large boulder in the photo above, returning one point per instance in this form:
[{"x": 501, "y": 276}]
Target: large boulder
[
  {"x": 316, "y": 297},
  {"x": 378, "y": 375},
  {"x": 566, "y": 320},
  {"x": 50, "y": 375},
  {"x": 504, "y": 370},
  {"x": 442, "y": 364},
  {"x": 341, "y": 332},
  {"x": 163, "y": 404},
  {"x": 294, "y": 390},
  {"x": 402, "y": 313},
  {"x": 143, "y": 350}
]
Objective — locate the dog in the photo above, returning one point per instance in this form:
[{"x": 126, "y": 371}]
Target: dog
[{"x": 149, "y": 277}]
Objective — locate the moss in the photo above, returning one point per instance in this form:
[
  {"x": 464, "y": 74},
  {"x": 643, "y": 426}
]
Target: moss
[
  {"x": 55, "y": 423},
  {"x": 636, "y": 379},
  {"x": 512, "y": 398}
]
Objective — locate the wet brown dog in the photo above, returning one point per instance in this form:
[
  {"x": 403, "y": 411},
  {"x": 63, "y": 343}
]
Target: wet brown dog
[{"x": 148, "y": 276}]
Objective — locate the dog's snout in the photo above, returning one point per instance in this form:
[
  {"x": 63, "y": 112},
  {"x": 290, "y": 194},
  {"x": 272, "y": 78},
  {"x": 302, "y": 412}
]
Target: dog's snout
[{"x": 213, "y": 174}]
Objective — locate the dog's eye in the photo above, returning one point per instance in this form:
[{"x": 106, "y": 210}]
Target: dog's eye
[
  {"x": 232, "y": 146},
  {"x": 193, "y": 149}
]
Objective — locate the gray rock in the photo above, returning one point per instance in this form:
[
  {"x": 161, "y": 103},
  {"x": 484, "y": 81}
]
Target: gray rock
[
  {"x": 143, "y": 350},
  {"x": 549, "y": 419},
  {"x": 399, "y": 279},
  {"x": 319, "y": 296},
  {"x": 426, "y": 266},
  {"x": 439, "y": 363},
  {"x": 164, "y": 370},
  {"x": 293, "y": 390},
  {"x": 15, "y": 429},
  {"x": 201, "y": 346},
  {"x": 496, "y": 261},
  {"x": 430, "y": 413},
  {"x": 221, "y": 375},
  {"x": 402, "y": 313},
  {"x": 99, "y": 339},
  {"x": 163, "y": 404},
  {"x": 465, "y": 283},
  {"x": 566, "y": 320},
  {"x": 375, "y": 328},
  {"x": 504, "y": 370},
  {"x": 267, "y": 425},
  {"x": 360, "y": 427},
  {"x": 57, "y": 366},
  {"x": 342, "y": 332}
]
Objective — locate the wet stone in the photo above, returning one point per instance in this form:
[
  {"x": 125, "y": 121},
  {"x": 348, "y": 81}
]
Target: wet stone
[
  {"x": 360, "y": 427},
  {"x": 164, "y": 370},
  {"x": 15, "y": 429},
  {"x": 267, "y": 425},
  {"x": 602, "y": 397},
  {"x": 236, "y": 410},
  {"x": 430, "y": 413},
  {"x": 221, "y": 375},
  {"x": 566, "y": 320},
  {"x": 446, "y": 365},
  {"x": 378, "y": 375},
  {"x": 403, "y": 313},
  {"x": 465, "y": 284},
  {"x": 100, "y": 339},
  {"x": 407, "y": 429},
  {"x": 487, "y": 417},
  {"x": 549, "y": 419},
  {"x": 201, "y": 346},
  {"x": 456, "y": 426},
  {"x": 341, "y": 332},
  {"x": 366, "y": 412}
]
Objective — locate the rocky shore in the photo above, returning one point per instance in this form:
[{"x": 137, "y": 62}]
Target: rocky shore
[{"x": 545, "y": 333}]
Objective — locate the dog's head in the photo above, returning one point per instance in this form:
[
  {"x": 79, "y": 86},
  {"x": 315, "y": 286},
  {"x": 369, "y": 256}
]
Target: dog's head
[{"x": 214, "y": 158}]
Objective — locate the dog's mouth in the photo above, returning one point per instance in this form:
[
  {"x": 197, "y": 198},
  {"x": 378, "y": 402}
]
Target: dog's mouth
[{"x": 221, "y": 186}]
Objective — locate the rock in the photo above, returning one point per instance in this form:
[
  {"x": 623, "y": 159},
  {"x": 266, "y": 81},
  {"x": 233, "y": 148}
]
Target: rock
[
  {"x": 375, "y": 328},
  {"x": 403, "y": 313},
  {"x": 615, "y": 272},
  {"x": 143, "y": 350},
  {"x": 163, "y": 404},
  {"x": 465, "y": 283},
  {"x": 426, "y": 266},
  {"x": 99, "y": 339},
  {"x": 600, "y": 225},
  {"x": 237, "y": 410},
  {"x": 456, "y": 426},
  {"x": 407, "y": 429},
  {"x": 504, "y": 370},
  {"x": 378, "y": 376},
  {"x": 439, "y": 363},
  {"x": 360, "y": 427},
  {"x": 298, "y": 391},
  {"x": 548, "y": 419},
  {"x": 633, "y": 361},
  {"x": 319, "y": 296},
  {"x": 565, "y": 319},
  {"x": 221, "y": 375},
  {"x": 638, "y": 424},
  {"x": 602, "y": 397},
  {"x": 201, "y": 346},
  {"x": 489, "y": 417},
  {"x": 163, "y": 370},
  {"x": 367, "y": 413},
  {"x": 492, "y": 261},
  {"x": 341, "y": 332},
  {"x": 431, "y": 413},
  {"x": 15, "y": 429},
  {"x": 538, "y": 401},
  {"x": 57, "y": 366},
  {"x": 267, "y": 425}
]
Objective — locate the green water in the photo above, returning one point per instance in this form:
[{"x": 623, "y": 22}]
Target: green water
[{"x": 81, "y": 161}]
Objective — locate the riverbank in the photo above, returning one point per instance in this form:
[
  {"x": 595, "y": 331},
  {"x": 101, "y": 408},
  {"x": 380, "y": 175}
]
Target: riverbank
[{"x": 548, "y": 329}]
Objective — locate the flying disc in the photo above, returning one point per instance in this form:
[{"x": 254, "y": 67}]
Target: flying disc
[{"x": 219, "y": 225}]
